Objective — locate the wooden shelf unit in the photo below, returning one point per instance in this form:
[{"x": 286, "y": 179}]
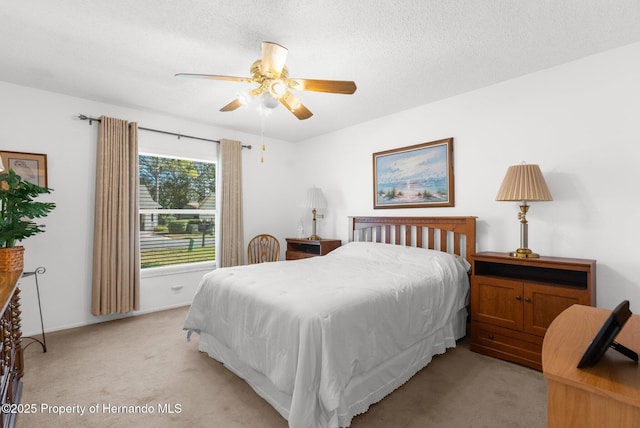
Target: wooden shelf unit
[
  {"x": 304, "y": 248},
  {"x": 513, "y": 302},
  {"x": 11, "y": 357}
]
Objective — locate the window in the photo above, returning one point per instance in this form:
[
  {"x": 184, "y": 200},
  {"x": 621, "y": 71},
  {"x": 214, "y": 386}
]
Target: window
[{"x": 177, "y": 211}]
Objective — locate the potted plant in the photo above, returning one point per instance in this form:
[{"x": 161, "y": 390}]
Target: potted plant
[{"x": 17, "y": 211}]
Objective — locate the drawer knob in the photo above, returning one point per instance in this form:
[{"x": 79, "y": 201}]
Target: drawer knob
[
  {"x": 527, "y": 299},
  {"x": 518, "y": 297}
]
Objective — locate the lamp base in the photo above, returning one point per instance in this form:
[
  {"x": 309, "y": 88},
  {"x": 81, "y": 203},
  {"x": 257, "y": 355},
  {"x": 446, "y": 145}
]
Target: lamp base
[
  {"x": 524, "y": 253},
  {"x": 314, "y": 238}
]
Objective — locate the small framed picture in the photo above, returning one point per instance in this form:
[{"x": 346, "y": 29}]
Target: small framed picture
[
  {"x": 417, "y": 176},
  {"x": 32, "y": 167}
]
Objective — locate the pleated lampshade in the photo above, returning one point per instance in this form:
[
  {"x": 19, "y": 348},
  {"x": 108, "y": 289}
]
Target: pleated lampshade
[
  {"x": 315, "y": 199},
  {"x": 524, "y": 182}
]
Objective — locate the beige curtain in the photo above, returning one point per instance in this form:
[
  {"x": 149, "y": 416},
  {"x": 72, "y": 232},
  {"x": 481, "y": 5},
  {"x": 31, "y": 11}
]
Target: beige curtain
[
  {"x": 230, "y": 246},
  {"x": 116, "y": 251}
]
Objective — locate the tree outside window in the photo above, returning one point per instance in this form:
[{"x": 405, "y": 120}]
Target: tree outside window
[{"x": 177, "y": 211}]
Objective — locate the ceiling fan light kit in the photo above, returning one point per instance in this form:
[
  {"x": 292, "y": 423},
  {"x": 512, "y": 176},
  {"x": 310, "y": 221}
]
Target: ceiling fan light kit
[
  {"x": 274, "y": 85},
  {"x": 269, "y": 101}
]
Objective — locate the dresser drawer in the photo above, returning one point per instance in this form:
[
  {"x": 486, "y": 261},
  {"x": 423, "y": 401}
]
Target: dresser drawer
[
  {"x": 507, "y": 344},
  {"x": 295, "y": 255}
]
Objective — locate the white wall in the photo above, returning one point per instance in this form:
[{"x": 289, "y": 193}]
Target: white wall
[
  {"x": 44, "y": 122},
  {"x": 578, "y": 121}
]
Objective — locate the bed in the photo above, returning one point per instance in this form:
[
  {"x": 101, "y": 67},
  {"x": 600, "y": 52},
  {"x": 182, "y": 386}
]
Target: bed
[{"x": 323, "y": 338}]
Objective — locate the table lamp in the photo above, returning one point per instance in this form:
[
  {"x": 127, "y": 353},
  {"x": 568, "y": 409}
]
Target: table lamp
[
  {"x": 524, "y": 183},
  {"x": 315, "y": 199}
]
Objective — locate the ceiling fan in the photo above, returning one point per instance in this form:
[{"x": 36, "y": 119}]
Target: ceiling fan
[{"x": 274, "y": 83}]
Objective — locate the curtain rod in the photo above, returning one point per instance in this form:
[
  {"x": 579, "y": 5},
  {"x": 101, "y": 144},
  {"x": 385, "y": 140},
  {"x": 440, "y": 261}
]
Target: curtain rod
[{"x": 92, "y": 119}]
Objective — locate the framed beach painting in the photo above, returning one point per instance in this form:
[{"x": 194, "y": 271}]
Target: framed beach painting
[
  {"x": 32, "y": 167},
  {"x": 417, "y": 176}
]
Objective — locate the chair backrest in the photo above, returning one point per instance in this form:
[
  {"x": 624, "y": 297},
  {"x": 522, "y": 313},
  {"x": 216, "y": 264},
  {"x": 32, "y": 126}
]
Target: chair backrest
[{"x": 263, "y": 248}]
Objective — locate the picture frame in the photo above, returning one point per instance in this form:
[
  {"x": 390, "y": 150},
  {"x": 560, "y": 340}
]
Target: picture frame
[
  {"x": 605, "y": 338},
  {"x": 32, "y": 167},
  {"x": 418, "y": 176}
]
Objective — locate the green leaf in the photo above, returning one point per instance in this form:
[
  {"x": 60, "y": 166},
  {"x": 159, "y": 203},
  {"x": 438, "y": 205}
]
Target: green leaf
[{"x": 18, "y": 208}]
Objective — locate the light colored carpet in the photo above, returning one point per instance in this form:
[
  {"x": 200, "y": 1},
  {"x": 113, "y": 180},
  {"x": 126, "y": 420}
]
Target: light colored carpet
[{"x": 145, "y": 361}]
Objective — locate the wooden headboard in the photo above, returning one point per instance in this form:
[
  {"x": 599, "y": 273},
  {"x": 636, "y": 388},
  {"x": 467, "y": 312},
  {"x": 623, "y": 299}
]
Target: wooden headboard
[{"x": 455, "y": 235}]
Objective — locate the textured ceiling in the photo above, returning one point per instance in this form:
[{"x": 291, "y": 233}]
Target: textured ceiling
[{"x": 401, "y": 53}]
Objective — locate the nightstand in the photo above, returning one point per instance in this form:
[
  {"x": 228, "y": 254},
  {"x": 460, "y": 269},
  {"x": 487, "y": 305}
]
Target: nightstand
[
  {"x": 513, "y": 301},
  {"x": 304, "y": 248}
]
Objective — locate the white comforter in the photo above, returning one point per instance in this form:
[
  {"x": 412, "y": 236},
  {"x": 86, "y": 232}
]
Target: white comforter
[{"x": 312, "y": 325}]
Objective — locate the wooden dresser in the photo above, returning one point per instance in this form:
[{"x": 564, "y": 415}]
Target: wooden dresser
[
  {"x": 513, "y": 302},
  {"x": 303, "y": 248},
  {"x": 11, "y": 364},
  {"x": 606, "y": 394}
]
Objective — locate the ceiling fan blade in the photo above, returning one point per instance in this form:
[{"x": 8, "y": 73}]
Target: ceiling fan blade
[
  {"x": 215, "y": 77},
  {"x": 302, "y": 112},
  {"x": 233, "y": 105},
  {"x": 293, "y": 104},
  {"x": 333, "y": 86},
  {"x": 273, "y": 59}
]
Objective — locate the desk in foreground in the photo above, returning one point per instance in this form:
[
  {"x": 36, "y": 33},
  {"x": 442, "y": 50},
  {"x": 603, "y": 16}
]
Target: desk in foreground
[{"x": 604, "y": 395}]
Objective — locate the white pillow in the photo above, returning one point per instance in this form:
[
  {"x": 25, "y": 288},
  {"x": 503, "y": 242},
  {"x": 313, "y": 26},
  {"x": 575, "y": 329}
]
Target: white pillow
[{"x": 390, "y": 253}]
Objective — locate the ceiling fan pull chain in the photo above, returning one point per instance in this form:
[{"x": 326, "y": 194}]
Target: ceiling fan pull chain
[{"x": 262, "y": 138}]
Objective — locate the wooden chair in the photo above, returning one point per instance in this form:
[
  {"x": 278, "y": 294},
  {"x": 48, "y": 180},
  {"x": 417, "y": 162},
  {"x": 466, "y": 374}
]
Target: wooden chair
[{"x": 263, "y": 248}]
